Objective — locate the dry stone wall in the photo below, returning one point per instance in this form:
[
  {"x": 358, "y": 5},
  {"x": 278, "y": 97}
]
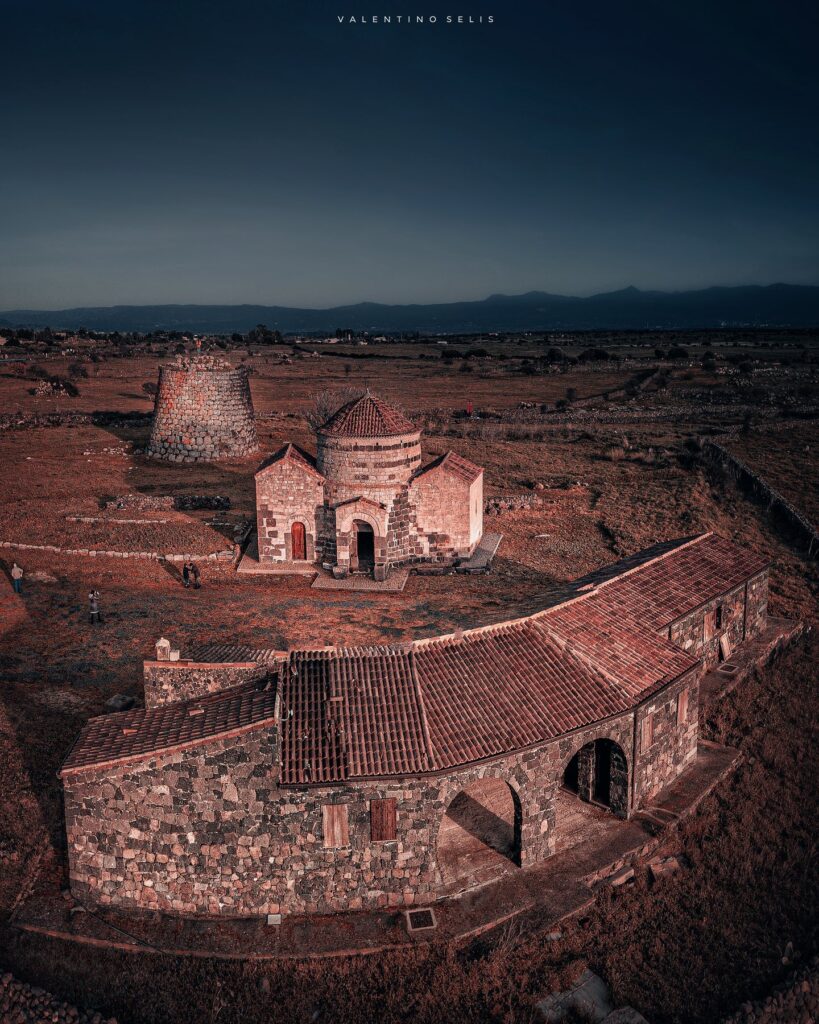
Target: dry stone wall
[
  {"x": 21, "y": 1003},
  {"x": 203, "y": 412}
]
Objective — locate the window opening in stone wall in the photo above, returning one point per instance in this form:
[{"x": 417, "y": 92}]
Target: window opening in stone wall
[{"x": 718, "y": 617}]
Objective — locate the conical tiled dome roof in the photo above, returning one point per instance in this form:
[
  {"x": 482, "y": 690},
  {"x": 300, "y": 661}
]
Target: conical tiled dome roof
[{"x": 368, "y": 416}]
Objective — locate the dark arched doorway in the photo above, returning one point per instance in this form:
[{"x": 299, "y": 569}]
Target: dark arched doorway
[
  {"x": 594, "y": 787},
  {"x": 298, "y": 542},
  {"x": 479, "y": 836},
  {"x": 362, "y": 554}
]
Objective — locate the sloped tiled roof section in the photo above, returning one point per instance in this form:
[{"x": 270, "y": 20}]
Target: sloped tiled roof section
[
  {"x": 455, "y": 464},
  {"x": 291, "y": 452},
  {"x": 507, "y": 688},
  {"x": 136, "y": 734},
  {"x": 351, "y": 712},
  {"x": 368, "y": 416},
  {"x": 635, "y": 657},
  {"x": 679, "y": 581}
]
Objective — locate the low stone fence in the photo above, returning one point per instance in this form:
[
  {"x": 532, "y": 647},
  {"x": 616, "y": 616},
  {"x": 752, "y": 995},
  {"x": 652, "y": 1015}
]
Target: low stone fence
[
  {"x": 498, "y": 503},
  {"x": 167, "y": 502},
  {"x": 21, "y": 1002},
  {"x": 795, "y": 1000},
  {"x": 226, "y": 555},
  {"x": 717, "y": 456},
  {"x": 34, "y": 420}
]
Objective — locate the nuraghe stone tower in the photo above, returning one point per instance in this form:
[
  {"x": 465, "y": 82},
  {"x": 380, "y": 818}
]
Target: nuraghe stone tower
[{"x": 203, "y": 412}]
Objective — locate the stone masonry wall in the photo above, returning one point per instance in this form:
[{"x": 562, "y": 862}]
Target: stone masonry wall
[
  {"x": 169, "y": 681},
  {"x": 756, "y": 606},
  {"x": 690, "y": 632},
  {"x": 286, "y": 493},
  {"x": 208, "y": 830},
  {"x": 673, "y": 739},
  {"x": 203, "y": 412},
  {"x": 449, "y": 511}
]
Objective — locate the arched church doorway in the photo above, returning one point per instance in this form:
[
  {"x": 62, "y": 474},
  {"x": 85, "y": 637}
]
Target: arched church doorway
[{"x": 362, "y": 555}]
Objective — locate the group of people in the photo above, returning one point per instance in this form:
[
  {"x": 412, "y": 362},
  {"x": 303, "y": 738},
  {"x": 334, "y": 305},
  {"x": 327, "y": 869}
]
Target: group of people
[{"x": 191, "y": 575}]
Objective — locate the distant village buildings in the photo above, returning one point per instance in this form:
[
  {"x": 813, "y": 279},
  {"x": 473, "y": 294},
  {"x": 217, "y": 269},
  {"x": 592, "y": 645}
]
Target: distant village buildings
[{"x": 365, "y": 502}]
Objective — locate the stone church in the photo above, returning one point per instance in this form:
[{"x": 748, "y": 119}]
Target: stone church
[{"x": 365, "y": 503}]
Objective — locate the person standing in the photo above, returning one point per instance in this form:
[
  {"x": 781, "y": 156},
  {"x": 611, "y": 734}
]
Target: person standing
[
  {"x": 196, "y": 574},
  {"x": 17, "y": 578},
  {"x": 186, "y": 575},
  {"x": 94, "y": 608}
]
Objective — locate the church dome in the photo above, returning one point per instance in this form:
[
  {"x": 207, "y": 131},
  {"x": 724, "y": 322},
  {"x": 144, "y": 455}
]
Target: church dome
[{"x": 368, "y": 416}]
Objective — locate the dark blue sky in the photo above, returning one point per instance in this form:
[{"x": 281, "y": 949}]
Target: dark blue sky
[{"x": 261, "y": 152}]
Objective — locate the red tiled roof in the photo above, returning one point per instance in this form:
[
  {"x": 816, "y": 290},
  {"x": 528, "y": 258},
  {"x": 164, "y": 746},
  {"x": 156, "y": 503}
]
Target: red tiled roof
[
  {"x": 140, "y": 733},
  {"x": 364, "y": 712},
  {"x": 436, "y": 704},
  {"x": 368, "y": 416},
  {"x": 292, "y": 452},
  {"x": 351, "y": 712},
  {"x": 453, "y": 463},
  {"x": 635, "y": 656},
  {"x": 507, "y": 688},
  {"x": 658, "y": 592}
]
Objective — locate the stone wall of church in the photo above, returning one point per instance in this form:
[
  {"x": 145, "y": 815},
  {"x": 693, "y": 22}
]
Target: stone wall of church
[{"x": 287, "y": 493}]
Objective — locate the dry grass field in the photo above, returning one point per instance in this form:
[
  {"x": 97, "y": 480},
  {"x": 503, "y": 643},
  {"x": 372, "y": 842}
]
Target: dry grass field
[{"x": 612, "y": 477}]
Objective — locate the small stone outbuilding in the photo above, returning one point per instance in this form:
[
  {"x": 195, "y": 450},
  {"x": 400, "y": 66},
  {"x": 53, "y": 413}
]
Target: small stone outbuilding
[
  {"x": 365, "y": 503},
  {"x": 316, "y": 781}
]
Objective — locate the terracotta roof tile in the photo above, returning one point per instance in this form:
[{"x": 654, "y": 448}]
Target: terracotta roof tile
[
  {"x": 455, "y": 464},
  {"x": 678, "y": 581},
  {"x": 505, "y": 689},
  {"x": 351, "y": 712},
  {"x": 436, "y": 704},
  {"x": 140, "y": 733},
  {"x": 368, "y": 416}
]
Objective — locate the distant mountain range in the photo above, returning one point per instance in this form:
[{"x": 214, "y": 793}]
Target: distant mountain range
[{"x": 777, "y": 305}]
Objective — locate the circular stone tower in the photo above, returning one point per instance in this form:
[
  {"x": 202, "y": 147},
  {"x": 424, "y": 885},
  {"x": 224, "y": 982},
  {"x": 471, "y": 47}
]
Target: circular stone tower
[{"x": 203, "y": 412}]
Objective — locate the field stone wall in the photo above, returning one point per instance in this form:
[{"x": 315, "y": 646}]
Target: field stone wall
[
  {"x": 203, "y": 412},
  {"x": 208, "y": 830},
  {"x": 744, "y": 616},
  {"x": 169, "y": 681},
  {"x": 673, "y": 744}
]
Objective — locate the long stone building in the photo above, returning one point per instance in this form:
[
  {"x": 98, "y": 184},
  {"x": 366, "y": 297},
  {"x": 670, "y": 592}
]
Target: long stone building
[
  {"x": 365, "y": 503},
  {"x": 271, "y": 782}
]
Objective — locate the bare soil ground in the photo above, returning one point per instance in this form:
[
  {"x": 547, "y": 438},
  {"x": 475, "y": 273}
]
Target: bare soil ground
[{"x": 616, "y": 477}]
